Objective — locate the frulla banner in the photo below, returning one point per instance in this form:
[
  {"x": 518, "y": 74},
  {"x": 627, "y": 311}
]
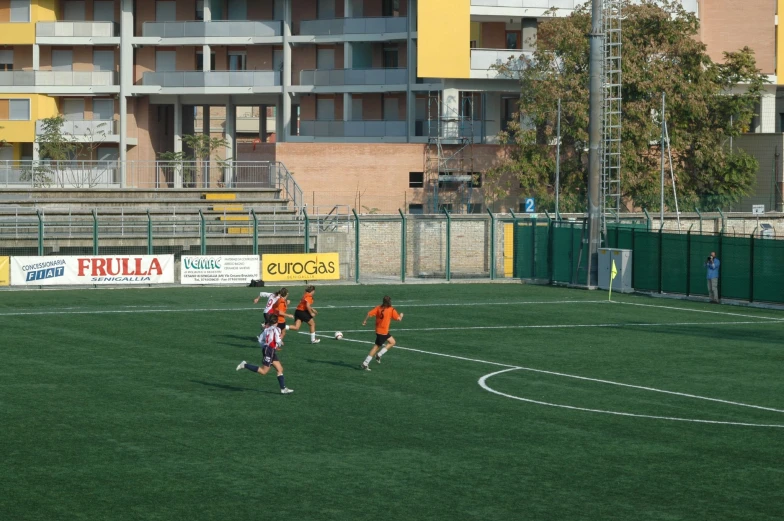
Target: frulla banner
[
  {"x": 303, "y": 266},
  {"x": 92, "y": 269}
]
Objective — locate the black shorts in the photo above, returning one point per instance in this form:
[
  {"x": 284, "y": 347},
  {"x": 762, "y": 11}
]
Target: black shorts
[
  {"x": 282, "y": 326},
  {"x": 270, "y": 355},
  {"x": 266, "y": 317},
  {"x": 380, "y": 339},
  {"x": 304, "y": 316}
]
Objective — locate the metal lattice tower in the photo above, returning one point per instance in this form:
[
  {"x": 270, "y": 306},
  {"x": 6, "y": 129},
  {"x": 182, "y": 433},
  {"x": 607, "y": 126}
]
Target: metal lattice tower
[
  {"x": 449, "y": 158},
  {"x": 612, "y": 109}
]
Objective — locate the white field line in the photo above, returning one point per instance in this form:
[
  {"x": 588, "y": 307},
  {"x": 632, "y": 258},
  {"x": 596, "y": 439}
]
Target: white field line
[
  {"x": 584, "y": 378},
  {"x": 483, "y": 384},
  {"x": 70, "y": 311},
  {"x": 699, "y": 310},
  {"x": 569, "y": 326}
]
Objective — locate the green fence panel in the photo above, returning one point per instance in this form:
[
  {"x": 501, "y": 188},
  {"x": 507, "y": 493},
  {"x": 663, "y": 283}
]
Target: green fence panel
[
  {"x": 768, "y": 259},
  {"x": 645, "y": 260},
  {"x": 735, "y": 269},
  {"x": 699, "y": 248},
  {"x": 564, "y": 258},
  {"x": 675, "y": 271},
  {"x": 523, "y": 256},
  {"x": 625, "y": 241},
  {"x": 542, "y": 254}
]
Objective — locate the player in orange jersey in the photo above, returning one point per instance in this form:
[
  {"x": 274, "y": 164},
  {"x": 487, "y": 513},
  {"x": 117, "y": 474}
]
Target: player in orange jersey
[
  {"x": 305, "y": 313},
  {"x": 279, "y": 308},
  {"x": 384, "y": 314}
]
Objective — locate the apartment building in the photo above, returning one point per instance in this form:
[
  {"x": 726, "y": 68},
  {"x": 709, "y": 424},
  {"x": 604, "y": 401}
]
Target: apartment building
[{"x": 394, "y": 103}]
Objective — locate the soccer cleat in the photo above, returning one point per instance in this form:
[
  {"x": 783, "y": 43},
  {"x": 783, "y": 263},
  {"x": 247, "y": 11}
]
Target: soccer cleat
[
  {"x": 286, "y": 390},
  {"x": 316, "y": 341},
  {"x": 364, "y": 366},
  {"x": 241, "y": 366},
  {"x": 378, "y": 359}
]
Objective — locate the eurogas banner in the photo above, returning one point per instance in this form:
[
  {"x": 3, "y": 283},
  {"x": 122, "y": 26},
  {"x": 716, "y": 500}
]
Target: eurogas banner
[{"x": 303, "y": 266}]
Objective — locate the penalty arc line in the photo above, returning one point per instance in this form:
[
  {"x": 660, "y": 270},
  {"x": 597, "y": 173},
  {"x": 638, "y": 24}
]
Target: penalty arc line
[
  {"x": 510, "y": 367},
  {"x": 483, "y": 384}
]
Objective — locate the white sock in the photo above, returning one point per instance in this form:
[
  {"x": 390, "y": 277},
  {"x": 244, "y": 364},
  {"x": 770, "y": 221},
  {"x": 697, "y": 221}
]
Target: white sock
[
  {"x": 287, "y": 326},
  {"x": 313, "y": 337},
  {"x": 367, "y": 360},
  {"x": 381, "y": 353}
]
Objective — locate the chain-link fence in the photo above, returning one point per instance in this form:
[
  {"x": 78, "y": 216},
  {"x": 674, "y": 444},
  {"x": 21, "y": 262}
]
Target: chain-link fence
[{"x": 371, "y": 248}]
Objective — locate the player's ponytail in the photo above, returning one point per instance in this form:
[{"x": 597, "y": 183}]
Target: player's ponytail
[
  {"x": 310, "y": 289},
  {"x": 283, "y": 292},
  {"x": 273, "y": 319},
  {"x": 387, "y": 302}
]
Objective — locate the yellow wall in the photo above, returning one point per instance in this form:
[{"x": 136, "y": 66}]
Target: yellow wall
[
  {"x": 780, "y": 43},
  {"x": 24, "y": 33},
  {"x": 444, "y": 30},
  {"x": 41, "y": 107}
]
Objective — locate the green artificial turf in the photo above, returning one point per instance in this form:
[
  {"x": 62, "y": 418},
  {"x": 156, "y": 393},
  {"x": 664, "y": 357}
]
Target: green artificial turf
[{"x": 125, "y": 404}]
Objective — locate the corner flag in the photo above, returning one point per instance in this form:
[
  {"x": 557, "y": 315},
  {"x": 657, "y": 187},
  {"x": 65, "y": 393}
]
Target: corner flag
[{"x": 613, "y": 273}]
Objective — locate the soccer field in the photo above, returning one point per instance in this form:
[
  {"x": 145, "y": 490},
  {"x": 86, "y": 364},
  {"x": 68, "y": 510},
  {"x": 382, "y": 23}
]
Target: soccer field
[{"x": 502, "y": 402}]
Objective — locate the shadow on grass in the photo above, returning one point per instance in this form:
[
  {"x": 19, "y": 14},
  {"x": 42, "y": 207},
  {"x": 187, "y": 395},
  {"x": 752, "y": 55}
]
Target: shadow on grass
[
  {"x": 231, "y": 388},
  {"x": 251, "y": 341},
  {"x": 332, "y": 362}
]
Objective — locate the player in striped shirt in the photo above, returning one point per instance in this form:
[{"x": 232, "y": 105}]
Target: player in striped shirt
[
  {"x": 270, "y": 342},
  {"x": 305, "y": 313},
  {"x": 272, "y": 298},
  {"x": 384, "y": 314}
]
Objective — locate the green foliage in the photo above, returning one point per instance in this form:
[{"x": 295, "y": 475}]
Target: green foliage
[
  {"x": 202, "y": 147},
  {"x": 661, "y": 54}
]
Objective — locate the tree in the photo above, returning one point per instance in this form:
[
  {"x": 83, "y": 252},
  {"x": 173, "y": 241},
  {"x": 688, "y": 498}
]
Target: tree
[
  {"x": 707, "y": 103},
  {"x": 63, "y": 149},
  {"x": 203, "y": 148}
]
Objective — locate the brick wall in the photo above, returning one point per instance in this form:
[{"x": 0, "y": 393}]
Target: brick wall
[{"x": 729, "y": 25}]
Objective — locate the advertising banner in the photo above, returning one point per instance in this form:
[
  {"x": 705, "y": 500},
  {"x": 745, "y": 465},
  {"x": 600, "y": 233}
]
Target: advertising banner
[
  {"x": 219, "y": 269},
  {"x": 92, "y": 269},
  {"x": 5, "y": 271},
  {"x": 303, "y": 266}
]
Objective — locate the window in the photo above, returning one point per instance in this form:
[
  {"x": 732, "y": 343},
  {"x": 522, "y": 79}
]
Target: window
[
  {"x": 445, "y": 206},
  {"x": 103, "y": 11},
  {"x": 475, "y": 208},
  {"x": 473, "y": 44},
  {"x": 74, "y": 10},
  {"x": 103, "y": 109},
  {"x": 391, "y": 57},
  {"x": 200, "y": 61},
  {"x": 325, "y": 109},
  {"x": 7, "y": 60},
  {"x": 325, "y": 9},
  {"x": 200, "y": 10},
  {"x": 20, "y": 11},
  {"x": 416, "y": 209},
  {"x": 103, "y": 60},
  {"x": 391, "y": 108},
  {"x": 325, "y": 58},
  {"x": 15, "y": 109},
  {"x": 416, "y": 179},
  {"x": 390, "y": 8},
  {"x": 476, "y": 180},
  {"x": 165, "y": 11},
  {"x": 512, "y": 39},
  {"x": 237, "y": 61}
]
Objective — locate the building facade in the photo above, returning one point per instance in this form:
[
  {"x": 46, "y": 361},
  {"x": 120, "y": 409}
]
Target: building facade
[{"x": 378, "y": 104}]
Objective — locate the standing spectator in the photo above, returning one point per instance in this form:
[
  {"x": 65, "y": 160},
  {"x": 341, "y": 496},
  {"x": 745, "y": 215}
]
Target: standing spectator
[{"x": 712, "y": 264}]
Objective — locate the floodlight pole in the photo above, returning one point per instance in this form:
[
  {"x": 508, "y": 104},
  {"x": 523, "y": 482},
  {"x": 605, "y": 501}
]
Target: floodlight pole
[
  {"x": 558, "y": 162},
  {"x": 595, "y": 141},
  {"x": 661, "y": 204}
]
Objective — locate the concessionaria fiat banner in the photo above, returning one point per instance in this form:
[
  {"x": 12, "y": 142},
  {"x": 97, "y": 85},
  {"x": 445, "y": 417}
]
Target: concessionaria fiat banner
[{"x": 92, "y": 269}]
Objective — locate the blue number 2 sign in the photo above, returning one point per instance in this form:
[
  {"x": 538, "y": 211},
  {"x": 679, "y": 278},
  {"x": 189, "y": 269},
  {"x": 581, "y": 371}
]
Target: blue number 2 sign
[{"x": 529, "y": 205}]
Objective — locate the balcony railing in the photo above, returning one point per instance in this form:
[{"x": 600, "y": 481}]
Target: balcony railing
[
  {"x": 58, "y": 78},
  {"x": 333, "y": 77},
  {"x": 489, "y": 59},
  {"x": 83, "y": 127},
  {"x": 528, "y": 4},
  {"x": 213, "y": 29},
  {"x": 77, "y": 29},
  {"x": 356, "y": 129},
  {"x": 184, "y": 79},
  {"x": 344, "y": 26},
  {"x": 459, "y": 129}
]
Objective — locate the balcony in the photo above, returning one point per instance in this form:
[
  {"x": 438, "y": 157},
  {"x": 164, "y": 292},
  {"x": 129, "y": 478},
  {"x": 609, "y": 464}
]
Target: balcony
[
  {"x": 353, "y": 129},
  {"x": 450, "y": 130},
  {"x": 353, "y": 77},
  {"x": 380, "y": 28},
  {"x": 64, "y": 82},
  {"x": 485, "y": 61},
  {"x": 223, "y": 82},
  {"x": 86, "y": 130},
  {"x": 217, "y": 31},
  {"x": 528, "y": 4},
  {"x": 75, "y": 33}
]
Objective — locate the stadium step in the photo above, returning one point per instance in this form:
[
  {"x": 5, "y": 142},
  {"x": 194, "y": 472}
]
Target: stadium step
[
  {"x": 244, "y": 218},
  {"x": 228, "y": 208},
  {"x": 238, "y": 230},
  {"x": 220, "y": 197}
]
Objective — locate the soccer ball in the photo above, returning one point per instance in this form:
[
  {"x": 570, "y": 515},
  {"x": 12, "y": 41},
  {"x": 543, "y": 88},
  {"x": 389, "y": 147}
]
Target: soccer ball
[{"x": 338, "y": 335}]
